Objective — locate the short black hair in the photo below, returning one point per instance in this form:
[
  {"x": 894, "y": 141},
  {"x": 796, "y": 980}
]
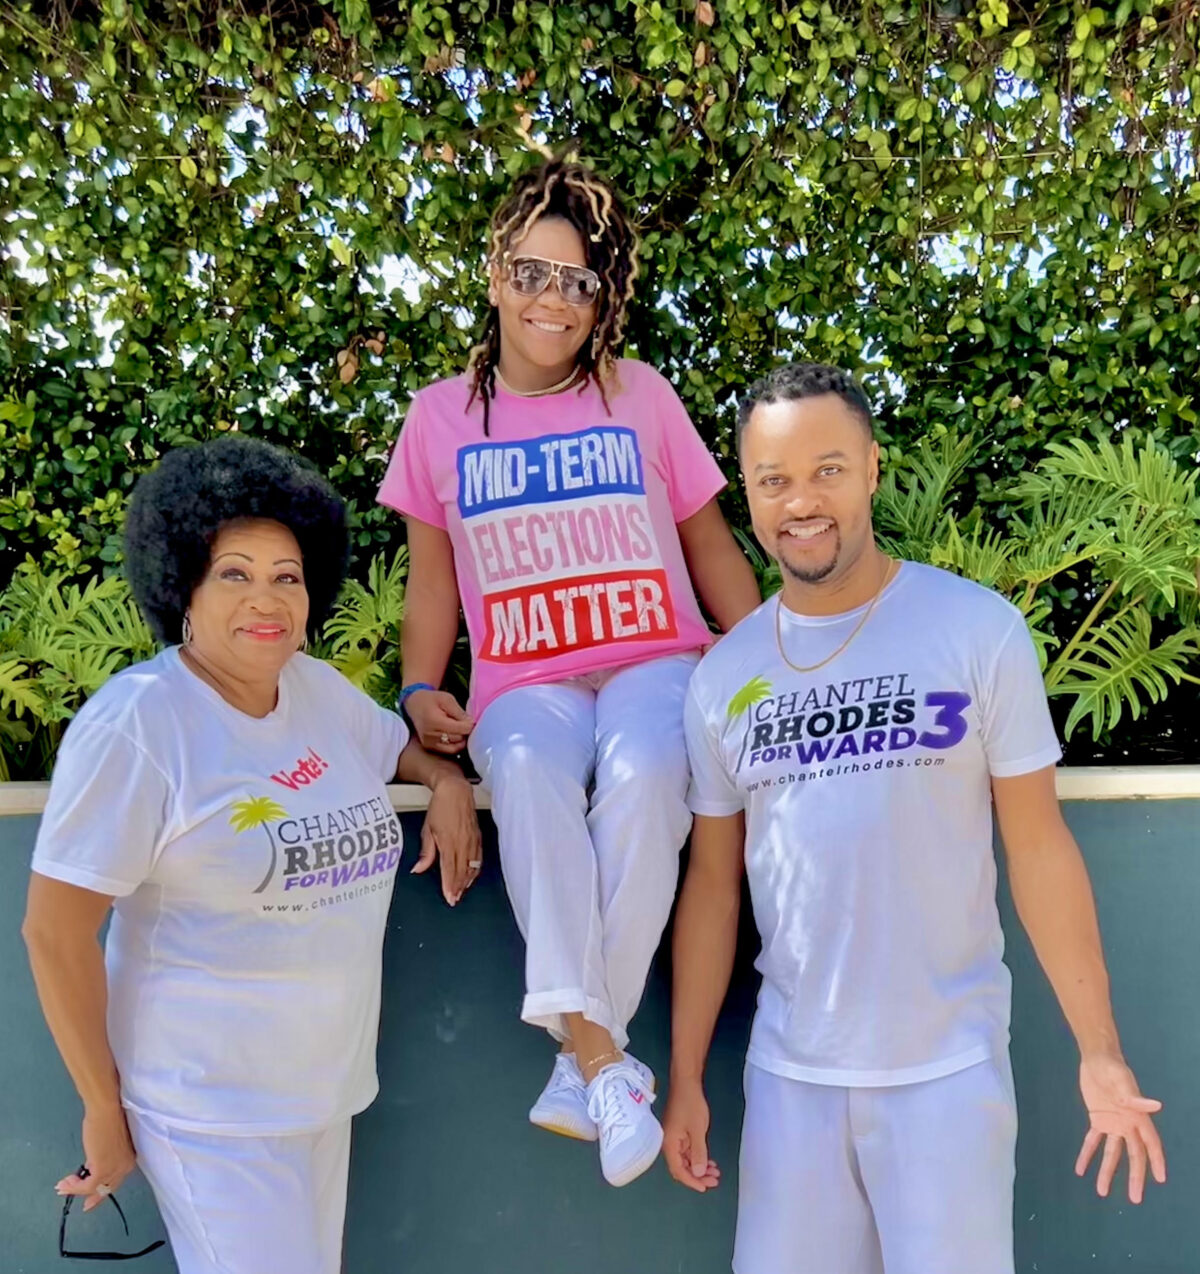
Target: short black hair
[
  {"x": 178, "y": 507},
  {"x": 792, "y": 382}
]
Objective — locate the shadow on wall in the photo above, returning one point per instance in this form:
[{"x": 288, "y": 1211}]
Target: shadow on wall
[{"x": 448, "y": 1177}]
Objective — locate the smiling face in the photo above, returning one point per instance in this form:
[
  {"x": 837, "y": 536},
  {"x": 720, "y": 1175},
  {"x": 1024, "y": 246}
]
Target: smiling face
[
  {"x": 811, "y": 468},
  {"x": 249, "y": 613},
  {"x": 541, "y": 336}
]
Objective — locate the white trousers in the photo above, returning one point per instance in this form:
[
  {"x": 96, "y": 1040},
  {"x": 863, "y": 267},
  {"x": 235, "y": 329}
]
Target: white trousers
[
  {"x": 588, "y": 779},
  {"x": 248, "y": 1205},
  {"x": 916, "y": 1179}
]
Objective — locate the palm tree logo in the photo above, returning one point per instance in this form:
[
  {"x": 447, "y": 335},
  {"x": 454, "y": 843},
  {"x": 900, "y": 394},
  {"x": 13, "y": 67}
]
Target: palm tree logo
[
  {"x": 259, "y": 811},
  {"x": 754, "y": 691}
]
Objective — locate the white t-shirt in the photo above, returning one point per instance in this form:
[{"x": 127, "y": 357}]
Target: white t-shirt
[
  {"x": 866, "y": 786},
  {"x": 252, "y": 862}
]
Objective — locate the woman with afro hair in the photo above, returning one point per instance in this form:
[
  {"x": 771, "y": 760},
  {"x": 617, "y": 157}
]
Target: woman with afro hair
[
  {"x": 564, "y": 497},
  {"x": 226, "y": 801}
]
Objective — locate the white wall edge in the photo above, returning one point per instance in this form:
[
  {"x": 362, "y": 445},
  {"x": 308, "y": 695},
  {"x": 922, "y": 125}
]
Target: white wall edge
[
  {"x": 1129, "y": 782},
  {"x": 1093, "y": 783}
]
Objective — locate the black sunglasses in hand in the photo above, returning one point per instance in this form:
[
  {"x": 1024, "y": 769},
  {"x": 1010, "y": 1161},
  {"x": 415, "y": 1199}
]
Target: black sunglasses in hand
[{"x": 83, "y": 1174}]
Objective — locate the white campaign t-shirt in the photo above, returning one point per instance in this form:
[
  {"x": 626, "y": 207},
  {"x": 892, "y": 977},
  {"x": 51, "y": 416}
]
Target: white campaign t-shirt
[
  {"x": 252, "y": 862},
  {"x": 866, "y": 786}
]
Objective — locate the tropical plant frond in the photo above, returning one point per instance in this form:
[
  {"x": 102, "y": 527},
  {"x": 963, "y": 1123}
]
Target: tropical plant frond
[
  {"x": 772, "y": 580},
  {"x": 983, "y": 554},
  {"x": 15, "y": 736},
  {"x": 13, "y": 732},
  {"x": 1037, "y": 612},
  {"x": 1148, "y": 474},
  {"x": 113, "y": 623},
  {"x": 358, "y": 665},
  {"x": 1152, "y": 554},
  {"x": 1187, "y": 612},
  {"x": 1118, "y": 665},
  {"x": 913, "y": 502},
  {"x": 766, "y": 569},
  {"x": 75, "y": 637},
  {"x": 752, "y": 549},
  {"x": 78, "y": 670},
  {"x": 19, "y": 691},
  {"x": 370, "y": 615},
  {"x": 1054, "y": 535},
  {"x": 22, "y": 598}
]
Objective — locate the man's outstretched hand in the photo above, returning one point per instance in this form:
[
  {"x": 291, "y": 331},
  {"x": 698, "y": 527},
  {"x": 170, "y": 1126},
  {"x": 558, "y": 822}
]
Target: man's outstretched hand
[{"x": 1120, "y": 1118}]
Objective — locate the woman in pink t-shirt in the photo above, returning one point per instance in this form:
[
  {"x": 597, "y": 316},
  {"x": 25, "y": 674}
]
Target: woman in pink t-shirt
[{"x": 565, "y": 498}]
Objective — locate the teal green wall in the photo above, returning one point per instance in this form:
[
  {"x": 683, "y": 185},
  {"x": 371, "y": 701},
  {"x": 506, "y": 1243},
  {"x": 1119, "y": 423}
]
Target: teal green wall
[{"x": 449, "y": 1178}]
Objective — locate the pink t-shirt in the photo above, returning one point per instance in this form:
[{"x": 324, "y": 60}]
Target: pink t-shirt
[{"x": 563, "y": 522}]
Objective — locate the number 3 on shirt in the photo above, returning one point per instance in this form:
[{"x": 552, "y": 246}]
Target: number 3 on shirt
[{"x": 950, "y": 705}]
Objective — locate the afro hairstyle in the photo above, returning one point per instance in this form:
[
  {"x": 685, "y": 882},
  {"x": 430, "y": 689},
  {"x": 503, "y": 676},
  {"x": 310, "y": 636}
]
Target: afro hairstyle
[{"x": 178, "y": 507}]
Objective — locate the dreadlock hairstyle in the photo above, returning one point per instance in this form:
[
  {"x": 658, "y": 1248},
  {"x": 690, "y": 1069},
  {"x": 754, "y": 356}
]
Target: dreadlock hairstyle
[{"x": 566, "y": 189}]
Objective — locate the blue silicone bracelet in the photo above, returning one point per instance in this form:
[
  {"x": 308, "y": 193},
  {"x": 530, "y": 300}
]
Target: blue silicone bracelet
[{"x": 412, "y": 690}]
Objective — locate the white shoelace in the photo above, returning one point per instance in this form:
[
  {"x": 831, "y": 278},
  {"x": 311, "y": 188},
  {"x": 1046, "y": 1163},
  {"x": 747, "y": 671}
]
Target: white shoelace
[{"x": 606, "y": 1104}]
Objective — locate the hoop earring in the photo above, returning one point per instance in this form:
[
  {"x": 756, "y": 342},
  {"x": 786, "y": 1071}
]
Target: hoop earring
[{"x": 187, "y": 628}]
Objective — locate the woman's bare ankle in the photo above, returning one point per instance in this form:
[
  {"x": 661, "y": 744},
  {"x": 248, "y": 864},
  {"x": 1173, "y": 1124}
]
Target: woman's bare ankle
[
  {"x": 594, "y": 1065},
  {"x": 594, "y": 1046}
]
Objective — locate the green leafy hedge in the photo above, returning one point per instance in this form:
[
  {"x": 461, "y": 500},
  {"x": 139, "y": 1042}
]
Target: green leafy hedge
[{"x": 270, "y": 216}]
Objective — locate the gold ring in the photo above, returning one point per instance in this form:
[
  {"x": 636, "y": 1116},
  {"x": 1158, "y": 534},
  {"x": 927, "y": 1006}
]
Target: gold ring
[{"x": 475, "y": 864}]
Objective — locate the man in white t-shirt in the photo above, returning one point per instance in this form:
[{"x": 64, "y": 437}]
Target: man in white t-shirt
[{"x": 848, "y": 740}]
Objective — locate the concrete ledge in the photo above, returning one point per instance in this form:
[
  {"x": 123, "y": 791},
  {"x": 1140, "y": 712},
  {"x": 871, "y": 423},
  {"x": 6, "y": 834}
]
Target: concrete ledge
[
  {"x": 1092, "y": 783},
  {"x": 1129, "y": 782}
]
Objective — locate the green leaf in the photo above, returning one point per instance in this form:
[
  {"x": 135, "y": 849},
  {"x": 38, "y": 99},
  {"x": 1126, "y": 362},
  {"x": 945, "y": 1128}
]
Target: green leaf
[
  {"x": 913, "y": 502},
  {"x": 1120, "y": 668}
]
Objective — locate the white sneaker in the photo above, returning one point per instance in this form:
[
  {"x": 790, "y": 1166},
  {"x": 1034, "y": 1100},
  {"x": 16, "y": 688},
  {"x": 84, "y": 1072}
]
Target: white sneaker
[
  {"x": 646, "y": 1073},
  {"x": 618, "y": 1100},
  {"x": 563, "y": 1105}
]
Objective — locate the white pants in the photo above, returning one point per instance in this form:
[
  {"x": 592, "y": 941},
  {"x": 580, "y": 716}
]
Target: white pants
[
  {"x": 916, "y": 1179},
  {"x": 248, "y": 1205},
  {"x": 589, "y": 784}
]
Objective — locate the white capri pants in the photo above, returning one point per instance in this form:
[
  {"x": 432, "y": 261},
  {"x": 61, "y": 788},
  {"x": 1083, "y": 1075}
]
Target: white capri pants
[
  {"x": 588, "y": 779},
  {"x": 916, "y": 1179},
  {"x": 248, "y": 1205}
]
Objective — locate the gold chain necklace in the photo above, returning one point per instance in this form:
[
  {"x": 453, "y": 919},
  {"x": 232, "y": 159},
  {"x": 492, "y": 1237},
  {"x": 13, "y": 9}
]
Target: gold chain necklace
[
  {"x": 541, "y": 393},
  {"x": 887, "y": 574}
]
